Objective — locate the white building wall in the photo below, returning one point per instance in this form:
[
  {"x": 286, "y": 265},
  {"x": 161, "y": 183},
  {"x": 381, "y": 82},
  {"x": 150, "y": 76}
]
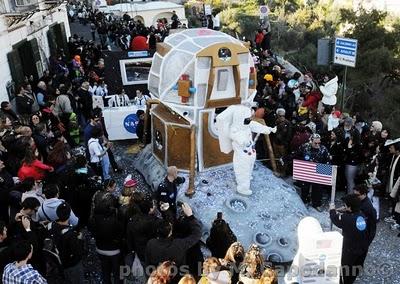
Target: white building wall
[{"x": 35, "y": 27}]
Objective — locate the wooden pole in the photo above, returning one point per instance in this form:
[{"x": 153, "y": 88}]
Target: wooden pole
[
  {"x": 333, "y": 192},
  {"x": 149, "y": 103},
  {"x": 269, "y": 146},
  {"x": 192, "y": 167}
]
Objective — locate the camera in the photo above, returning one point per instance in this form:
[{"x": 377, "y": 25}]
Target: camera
[{"x": 179, "y": 203}]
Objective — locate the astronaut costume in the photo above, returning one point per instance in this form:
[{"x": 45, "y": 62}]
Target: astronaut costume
[{"x": 235, "y": 130}]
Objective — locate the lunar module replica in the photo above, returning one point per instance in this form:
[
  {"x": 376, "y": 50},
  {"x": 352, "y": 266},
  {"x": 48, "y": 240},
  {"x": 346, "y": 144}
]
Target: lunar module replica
[{"x": 196, "y": 74}]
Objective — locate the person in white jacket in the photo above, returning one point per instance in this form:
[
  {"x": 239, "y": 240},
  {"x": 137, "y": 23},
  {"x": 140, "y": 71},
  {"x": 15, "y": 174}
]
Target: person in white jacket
[
  {"x": 235, "y": 129},
  {"x": 329, "y": 90},
  {"x": 119, "y": 100}
]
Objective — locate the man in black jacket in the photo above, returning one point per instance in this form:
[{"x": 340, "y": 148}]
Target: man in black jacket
[
  {"x": 167, "y": 192},
  {"x": 368, "y": 210},
  {"x": 165, "y": 247},
  {"x": 355, "y": 237},
  {"x": 69, "y": 244},
  {"x": 141, "y": 228},
  {"x": 5, "y": 250}
]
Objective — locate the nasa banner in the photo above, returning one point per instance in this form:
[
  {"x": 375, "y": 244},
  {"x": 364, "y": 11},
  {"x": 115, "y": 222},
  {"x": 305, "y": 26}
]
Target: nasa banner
[{"x": 121, "y": 122}]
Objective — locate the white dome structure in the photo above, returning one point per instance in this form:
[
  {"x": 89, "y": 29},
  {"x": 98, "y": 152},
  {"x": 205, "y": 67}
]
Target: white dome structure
[{"x": 193, "y": 73}]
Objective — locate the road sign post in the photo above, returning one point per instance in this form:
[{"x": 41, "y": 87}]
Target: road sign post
[{"x": 345, "y": 53}]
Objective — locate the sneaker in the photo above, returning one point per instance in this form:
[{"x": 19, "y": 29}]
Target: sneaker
[
  {"x": 395, "y": 227},
  {"x": 390, "y": 219}
]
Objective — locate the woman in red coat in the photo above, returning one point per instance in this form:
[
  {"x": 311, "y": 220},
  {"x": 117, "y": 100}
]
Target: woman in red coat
[{"x": 32, "y": 167}]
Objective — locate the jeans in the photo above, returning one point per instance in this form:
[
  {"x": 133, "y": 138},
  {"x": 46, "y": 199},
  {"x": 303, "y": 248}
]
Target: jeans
[
  {"x": 105, "y": 164},
  {"x": 350, "y": 172},
  {"x": 110, "y": 264},
  {"x": 74, "y": 274}
]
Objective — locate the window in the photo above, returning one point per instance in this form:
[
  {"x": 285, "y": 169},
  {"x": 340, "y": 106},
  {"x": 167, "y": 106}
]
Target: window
[
  {"x": 222, "y": 80},
  {"x": 19, "y": 3},
  {"x": 135, "y": 71}
]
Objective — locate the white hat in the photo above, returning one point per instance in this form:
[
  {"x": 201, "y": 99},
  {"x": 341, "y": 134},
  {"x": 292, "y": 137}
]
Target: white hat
[
  {"x": 391, "y": 142},
  {"x": 281, "y": 111}
]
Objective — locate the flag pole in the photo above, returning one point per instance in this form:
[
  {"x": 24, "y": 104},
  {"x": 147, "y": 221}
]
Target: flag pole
[{"x": 333, "y": 192}]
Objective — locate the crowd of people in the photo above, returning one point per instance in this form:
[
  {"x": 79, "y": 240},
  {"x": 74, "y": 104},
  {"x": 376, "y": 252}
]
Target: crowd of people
[
  {"x": 123, "y": 32},
  {"x": 57, "y": 168}
]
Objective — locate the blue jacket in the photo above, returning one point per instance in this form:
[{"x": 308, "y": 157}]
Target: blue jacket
[{"x": 47, "y": 211}]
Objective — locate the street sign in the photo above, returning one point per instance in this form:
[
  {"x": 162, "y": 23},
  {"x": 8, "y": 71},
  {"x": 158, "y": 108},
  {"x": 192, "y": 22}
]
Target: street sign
[
  {"x": 207, "y": 10},
  {"x": 264, "y": 11},
  {"x": 345, "y": 52}
]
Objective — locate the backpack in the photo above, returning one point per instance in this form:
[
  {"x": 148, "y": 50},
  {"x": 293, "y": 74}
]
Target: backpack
[{"x": 54, "y": 271}]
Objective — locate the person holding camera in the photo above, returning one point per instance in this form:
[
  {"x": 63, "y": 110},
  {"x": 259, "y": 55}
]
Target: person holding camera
[
  {"x": 167, "y": 192},
  {"x": 168, "y": 247}
]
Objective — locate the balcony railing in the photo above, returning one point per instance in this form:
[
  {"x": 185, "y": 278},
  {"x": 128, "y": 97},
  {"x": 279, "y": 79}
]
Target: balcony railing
[{"x": 18, "y": 6}]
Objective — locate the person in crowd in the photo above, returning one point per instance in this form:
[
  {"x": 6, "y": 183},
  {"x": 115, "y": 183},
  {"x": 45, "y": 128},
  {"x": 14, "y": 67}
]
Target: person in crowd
[
  {"x": 59, "y": 156},
  {"x": 212, "y": 272},
  {"x": 109, "y": 189},
  {"x": 34, "y": 190},
  {"x": 269, "y": 276},
  {"x": 393, "y": 184},
  {"x": 126, "y": 199},
  {"x": 163, "y": 274},
  {"x": 140, "y": 99},
  {"x": 101, "y": 89},
  {"x": 355, "y": 237},
  {"x": 187, "y": 279},
  {"x": 352, "y": 152},
  {"x": 6, "y": 185},
  {"x": 317, "y": 153},
  {"x": 166, "y": 247},
  {"x": 167, "y": 191},
  {"x": 24, "y": 101},
  {"x": 32, "y": 167},
  {"x": 85, "y": 103},
  {"x": 121, "y": 99},
  {"x": 6, "y": 110},
  {"x": 233, "y": 258},
  {"x": 221, "y": 237},
  {"x": 282, "y": 138},
  {"x": 69, "y": 244},
  {"x": 142, "y": 225},
  {"x": 140, "y": 114},
  {"x": 99, "y": 161},
  {"x": 20, "y": 271},
  {"x": 368, "y": 210},
  {"x": 6, "y": 253},
  {"x": 252, "y": 267},
  {"x": 108, "y": 232},
  {"x": 48, "y": 209},
  {"x": 41, "y": 94}
]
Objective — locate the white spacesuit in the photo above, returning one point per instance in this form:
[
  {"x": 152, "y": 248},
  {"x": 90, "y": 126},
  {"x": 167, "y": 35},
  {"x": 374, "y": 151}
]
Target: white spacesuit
[{"x": 235, "y": 130}]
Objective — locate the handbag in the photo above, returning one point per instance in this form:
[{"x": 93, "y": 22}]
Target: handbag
[{"x": 136, "y": 267}]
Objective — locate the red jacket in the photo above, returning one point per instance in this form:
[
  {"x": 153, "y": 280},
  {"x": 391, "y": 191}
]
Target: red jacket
[
  {"x": 35, "y": 170},
  {"x": 311, "y": 100},
  {"x": 139, "y": 43},
  {"x": 259, "y": 38}
]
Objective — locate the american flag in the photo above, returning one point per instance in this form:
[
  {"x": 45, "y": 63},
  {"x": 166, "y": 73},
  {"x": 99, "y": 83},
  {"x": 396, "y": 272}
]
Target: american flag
[{"x": 312, "y": 172}]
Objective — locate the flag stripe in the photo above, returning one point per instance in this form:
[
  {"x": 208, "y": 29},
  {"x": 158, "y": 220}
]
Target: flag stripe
[{"x": 312, "y": 172}]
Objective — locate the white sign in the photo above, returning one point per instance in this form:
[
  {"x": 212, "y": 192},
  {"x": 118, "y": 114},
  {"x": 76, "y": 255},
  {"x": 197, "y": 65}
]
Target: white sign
[
  {"x": 345, "y": 52},
  {"x": 121, "y": 122},
  {"x": 207, "y": 9},
  {"x": 264, "y": 11}
]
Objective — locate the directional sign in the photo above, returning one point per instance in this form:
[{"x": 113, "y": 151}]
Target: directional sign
[{"x": 345, "y": 52}]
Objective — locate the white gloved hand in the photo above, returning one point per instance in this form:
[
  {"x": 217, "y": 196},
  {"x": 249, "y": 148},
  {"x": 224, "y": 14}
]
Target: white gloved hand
[{"x": 273, "y": 130}]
